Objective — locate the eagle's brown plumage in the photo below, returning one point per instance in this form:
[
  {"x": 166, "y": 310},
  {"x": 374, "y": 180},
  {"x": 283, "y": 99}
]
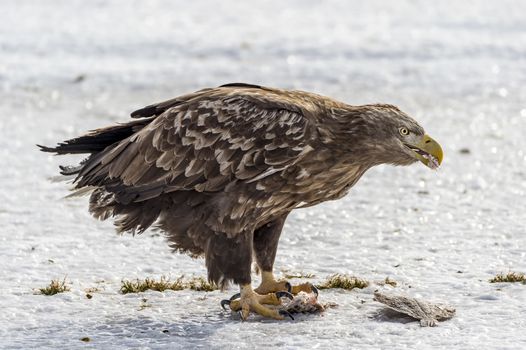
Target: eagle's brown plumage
[{"x": 220, "y": 169}]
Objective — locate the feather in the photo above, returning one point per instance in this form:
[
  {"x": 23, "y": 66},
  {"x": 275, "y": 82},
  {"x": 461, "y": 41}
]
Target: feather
[{"x": 81, "y": 192}]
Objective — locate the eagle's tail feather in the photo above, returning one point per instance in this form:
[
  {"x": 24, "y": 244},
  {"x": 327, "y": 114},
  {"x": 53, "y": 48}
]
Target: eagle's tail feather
[
  {"x": 67, "y": 170},
  {"x": 94, "y": 142},
  {"x": 82, "y": 192},
  {"x": 97, "y": 140}
]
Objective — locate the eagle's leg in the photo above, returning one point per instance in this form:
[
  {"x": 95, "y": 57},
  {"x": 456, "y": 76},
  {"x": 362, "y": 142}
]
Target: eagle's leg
[
  {"x": 266, "y": 240},
  {"x": 230, "y": 259}
]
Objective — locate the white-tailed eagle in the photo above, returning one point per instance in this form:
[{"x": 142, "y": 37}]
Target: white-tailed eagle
[{"x": 220, "y": 169}]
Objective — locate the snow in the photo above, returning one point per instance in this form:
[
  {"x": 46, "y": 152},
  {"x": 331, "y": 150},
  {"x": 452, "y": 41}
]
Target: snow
[{"x": 458, "y": 67}]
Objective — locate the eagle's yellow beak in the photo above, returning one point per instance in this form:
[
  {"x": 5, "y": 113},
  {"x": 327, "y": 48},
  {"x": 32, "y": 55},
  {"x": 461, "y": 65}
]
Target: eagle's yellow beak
[{"x": 429, "y": 152}]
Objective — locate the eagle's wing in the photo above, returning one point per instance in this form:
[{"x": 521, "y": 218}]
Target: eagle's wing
[{"x": 206, "y": 142}]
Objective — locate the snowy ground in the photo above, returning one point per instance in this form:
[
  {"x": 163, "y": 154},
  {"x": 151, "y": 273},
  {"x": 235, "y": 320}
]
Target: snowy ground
[{"x": 459, "y": 67}]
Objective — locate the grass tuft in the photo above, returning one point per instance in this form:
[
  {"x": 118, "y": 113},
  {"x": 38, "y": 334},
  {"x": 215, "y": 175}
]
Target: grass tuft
[
  {"x": 390, "y": 282},
  {"x": 138, "y": 286},
  {"x": 510, "y": 277},
  {"x": 55, "y": 287},
  {"x": 344, "y": 282},
  {"x": 200, "y": 284}
]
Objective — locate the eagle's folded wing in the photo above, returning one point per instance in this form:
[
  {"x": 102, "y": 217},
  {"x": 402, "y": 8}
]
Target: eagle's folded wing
[{"x": 205, "y": 142}]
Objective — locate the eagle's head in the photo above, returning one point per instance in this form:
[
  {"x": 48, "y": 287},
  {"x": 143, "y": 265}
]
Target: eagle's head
[{"x": 390, "y": 136}]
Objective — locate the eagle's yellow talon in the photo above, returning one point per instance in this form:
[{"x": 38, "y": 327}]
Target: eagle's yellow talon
[
  {"x": 252, "y": 301},
  {"x": 245, "y": 311},
  {"x": 269, "y": 285}
]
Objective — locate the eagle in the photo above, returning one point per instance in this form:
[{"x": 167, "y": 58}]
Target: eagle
[{"x": 219, "y": 170}]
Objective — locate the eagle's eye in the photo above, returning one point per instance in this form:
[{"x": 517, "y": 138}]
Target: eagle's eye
[{"x": 403, "y": 131}]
